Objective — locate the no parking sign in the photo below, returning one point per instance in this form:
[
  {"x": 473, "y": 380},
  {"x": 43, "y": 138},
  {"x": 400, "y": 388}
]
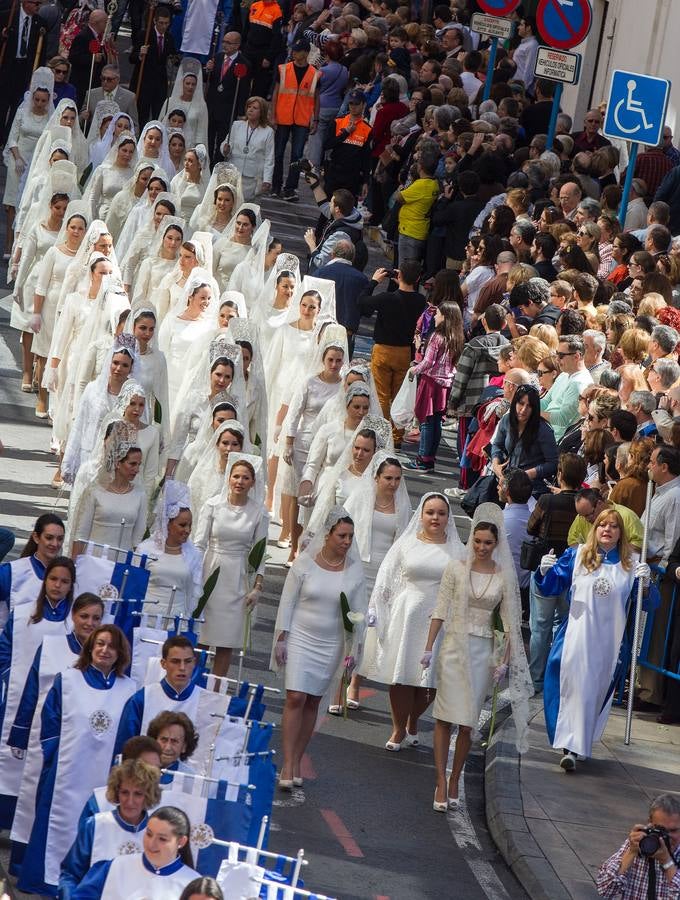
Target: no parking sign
[
  {"x": 499, "y": 7},
  {"x": 564, "y": 23}
]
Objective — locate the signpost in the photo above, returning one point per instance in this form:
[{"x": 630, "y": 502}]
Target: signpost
[
  {"x": 636, "y": 111},
  {"x": 564, "y": 23},
  {"x": 496, "y": 27},
  {"x": 559, "y": 66}
]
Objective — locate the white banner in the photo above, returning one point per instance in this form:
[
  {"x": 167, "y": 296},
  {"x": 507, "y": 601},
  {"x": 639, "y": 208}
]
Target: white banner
[{"x": 198, "y": 26}]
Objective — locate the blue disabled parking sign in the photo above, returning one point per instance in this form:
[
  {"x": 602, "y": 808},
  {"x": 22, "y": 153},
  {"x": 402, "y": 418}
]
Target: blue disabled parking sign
[{"x": 636, "y": 108}]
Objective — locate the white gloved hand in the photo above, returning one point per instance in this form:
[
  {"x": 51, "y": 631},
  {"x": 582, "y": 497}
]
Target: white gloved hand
[
  {"x": 280, "y": 652},
  {"x": 51, "y": 379},
  {"x": 35, "y": 323},
  {"x": 426, "y": 659},
  {"x": 371, "y": 618},
  {"x": 19, "y": 166},
  {"x": 288, "y": 456},
  {"x": 499, "y": 673},
  {"x": 643, "y": 571},
  {"x": 277, "y": 432},
  {"x": 252, "y": 597},
  {"x": 547, "y": 562},
  {"x": 17, "y": 752}
]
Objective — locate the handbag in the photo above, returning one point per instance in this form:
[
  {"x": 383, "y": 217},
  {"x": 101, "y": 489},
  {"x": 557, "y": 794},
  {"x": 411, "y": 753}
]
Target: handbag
[
  {"x": 484, "y": 490},
  {"x": 532, "y": 550}
]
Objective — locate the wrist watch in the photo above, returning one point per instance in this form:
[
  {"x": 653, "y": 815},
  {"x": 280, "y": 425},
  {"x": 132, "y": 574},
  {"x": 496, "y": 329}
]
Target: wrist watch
[{"x": 668, "y": 865}]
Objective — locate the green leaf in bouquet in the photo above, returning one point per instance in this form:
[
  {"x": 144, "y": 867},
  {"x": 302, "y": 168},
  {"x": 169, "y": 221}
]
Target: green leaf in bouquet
[
  {"x": 157, "y": 413},
  {"x": 256, "y": 555},
  {"x": 345, "y": 609},
  {"x": 496, "y": 621},
  {"x": 258, "y": 441},
  {"x": 208, "y": 588}
]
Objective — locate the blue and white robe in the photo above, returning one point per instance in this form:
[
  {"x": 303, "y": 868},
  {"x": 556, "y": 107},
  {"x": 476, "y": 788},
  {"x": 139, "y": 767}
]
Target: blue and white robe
[
  {"x": 79, "y": 722},
  {"x": 134, "y": 878},
  {"x": 578, "y": 689},
  {"x": 20, "y": 582},
  {"x": 57, "y": 653},
  {"x": 103, "y": 836},
  {"x": 19, "y": 641}
]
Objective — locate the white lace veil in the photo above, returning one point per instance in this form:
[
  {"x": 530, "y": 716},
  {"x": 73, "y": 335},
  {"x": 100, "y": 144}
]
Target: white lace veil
[
  {"x": 520, "y": 687},
  {"x": 206, "y": 480},
  {"x": 224, "y": 175},
  {"x": 197, "y": 105},
  {"x": 41, "y": 80},
  {"x": 163, "y": 159},
  {"x": 79, "y": 269},
  {"x": 361, "y": 503},
  {"x": 257, "y": 492},
  {"x": 334, "y": 410},
  {"x": 260, "y": 310},
  {"x": 237, "y": 299},
  {"x": 100, "y": 151},
  {"x": 390, "y": 578},
  {"x": 97, "y": 150},
  {"x": 256, "y": 391},
  {"x": 140, "y": 230},
  {"x": 325, "y": 500},
  {"x": 248, "y": 275},
  {"x": 31, "y": 183},
  {"x": 180, "y": 181},
  {"x": 78, "y": 140}
]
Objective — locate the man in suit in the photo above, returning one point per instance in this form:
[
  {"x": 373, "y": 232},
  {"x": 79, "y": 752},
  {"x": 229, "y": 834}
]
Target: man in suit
[
  {"x": 223, "y": 86},
  {"x": 154, "y": 88},
  {"x": 80, "y": 55},
  {"x": 20, "y": 37},
  {"x": 111, "y": 90},
  {"x": 350, "y": 284}
]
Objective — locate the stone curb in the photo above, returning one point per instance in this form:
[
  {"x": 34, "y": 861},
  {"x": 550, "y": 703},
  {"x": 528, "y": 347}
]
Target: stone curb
[{"x": 506, "y": 821}]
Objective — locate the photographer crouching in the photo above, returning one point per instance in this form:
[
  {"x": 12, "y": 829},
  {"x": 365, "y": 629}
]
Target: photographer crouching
[{"x": 646, "y": 866}]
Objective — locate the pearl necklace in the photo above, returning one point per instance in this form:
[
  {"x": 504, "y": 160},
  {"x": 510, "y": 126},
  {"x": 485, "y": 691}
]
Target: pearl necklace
[
  {"x": 428, "y": 540},
  {"x": 488, "y": 585},
  {"x": 386, "y": 505},
  {"x": 329, "y": 563}
]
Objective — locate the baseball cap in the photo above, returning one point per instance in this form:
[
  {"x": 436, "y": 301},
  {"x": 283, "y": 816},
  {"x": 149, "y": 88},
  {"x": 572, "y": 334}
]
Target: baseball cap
[
  {"x": 355, "y": 97},
  {"x": 301, "y": 46}
]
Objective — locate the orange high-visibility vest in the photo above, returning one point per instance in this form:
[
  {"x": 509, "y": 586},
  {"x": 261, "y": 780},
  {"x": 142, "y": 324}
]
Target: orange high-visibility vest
[
  {"x": 265, "y": 14},
  {"x": 295, "y": 103},
  {"x": 358, "y": 137}
]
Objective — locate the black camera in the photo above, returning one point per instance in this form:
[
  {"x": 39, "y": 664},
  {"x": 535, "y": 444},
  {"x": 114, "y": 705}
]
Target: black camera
[
  {"x": 651, "y": 842},
  {"x": 302, "y": 165}
]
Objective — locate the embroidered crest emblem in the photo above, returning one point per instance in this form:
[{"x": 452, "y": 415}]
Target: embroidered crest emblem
[
  {"x": 202, "y": 836},
  {"x": 602, "y": 586},
  {"x": 108, "y": 592},
  {"x": 127, "y": 848},
  {"x": 100, "y": 722}
]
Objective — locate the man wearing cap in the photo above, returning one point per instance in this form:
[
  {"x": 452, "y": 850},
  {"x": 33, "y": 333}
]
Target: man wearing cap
[
  {"x": 295, "y": 106},
  {"x": 349, "y": 165}
]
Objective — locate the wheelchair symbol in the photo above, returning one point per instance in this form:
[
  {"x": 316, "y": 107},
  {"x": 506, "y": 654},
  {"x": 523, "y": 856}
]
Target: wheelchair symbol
[{"x": 631, "y": 106}]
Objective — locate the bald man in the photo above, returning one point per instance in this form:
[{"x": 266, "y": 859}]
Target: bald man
[
  {"x": 223, "y": 85},
  {"x": 81, "y": 58}
]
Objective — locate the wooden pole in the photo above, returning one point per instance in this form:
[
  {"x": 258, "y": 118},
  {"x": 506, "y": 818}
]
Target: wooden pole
[
  {"x": 38, "y": 49},
  {"x": 12, "y": 13},
  {"x": 147, "y": 35}
]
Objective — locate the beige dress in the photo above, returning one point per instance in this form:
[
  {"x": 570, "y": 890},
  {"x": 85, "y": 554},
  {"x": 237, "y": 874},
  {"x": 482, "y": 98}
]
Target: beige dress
[{"x": 465, "y": 666}]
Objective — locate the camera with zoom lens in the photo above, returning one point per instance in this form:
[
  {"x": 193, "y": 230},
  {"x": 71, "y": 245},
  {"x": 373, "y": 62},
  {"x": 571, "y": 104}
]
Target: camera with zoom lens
[
  {"x": 302, "y": 165},
  {"x": 651, "y": 842}
]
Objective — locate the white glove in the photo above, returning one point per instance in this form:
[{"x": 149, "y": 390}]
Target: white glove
[
  {"x": 51, "y": 379},
  {"x": 426, "y": 659},
  {"x": 288, "y": 456},
  {"x": 35, "y": 323},
  {"x": 252, "y": 597},
  {"x": 17, "y": 752},
  {"x": 280, "y": 652},
  {"x": 19, "y": 166},
  {"x": 277, "y": 432},
  {"x": 643, "y": 571},
  {"x": 547, "y": 562},
  {"x": 371, "y": 618},
  {"x": 499, "y": 673},
  {"x": 225, "y": 150}
]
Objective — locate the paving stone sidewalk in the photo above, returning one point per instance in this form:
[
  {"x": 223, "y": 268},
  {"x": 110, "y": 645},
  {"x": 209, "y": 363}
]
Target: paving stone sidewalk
[{"x": 555, "y": 829}]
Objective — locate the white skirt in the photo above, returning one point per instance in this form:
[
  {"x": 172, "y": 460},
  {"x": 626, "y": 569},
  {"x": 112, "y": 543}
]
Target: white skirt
[{"x": 449, "y": 704}]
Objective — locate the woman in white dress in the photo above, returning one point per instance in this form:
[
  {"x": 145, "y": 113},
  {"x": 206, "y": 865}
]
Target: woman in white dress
[
  {"x": 314, "y": 637},
  {"x": 233, "y": 246},
  {"x": 181, "y": 330},
  {"x": 102, "y": 117},
  {"x": 250, "y": 147},
  {"x": 270, "y": 308},
  {"x": 161, "y": 259},
  {"x": 194, "y": 429},
  {"x": 400, "y": 607},
  {"x": 28, "y": 124},
  {"x": 152, "y": 373},
  {"x": 176, "y": 578},
  {"x": 578, "y": 689},
  {"x": 177, "y": 147},
  {"x": 191, "y": 183},
  {"x": 120, "y": 123},
  {"x": 97, "y": 400},
  {"x": 221, "y": 199},
  {"x": 152, "y": 147},
  {"x": 187, "y": 95},
  {"x": 131, "y": 193},
  {"x": 48, "y": 284},
  {"x": 246, "y": 335},
  {"x": 478, "y": 596},
  {"x": 207, "y": 478},
  {"x": 142, "y": 222},
  {"x": 130, "y": 406},
  {"x": 111, "y": 176},
  {"x": 109, "y": 508},
  {"x": 304, "y": 407},
  {"x": 144, "y": 243},
  {"x": 66, "y": 115},
  {"x": 229, "y": 526}
]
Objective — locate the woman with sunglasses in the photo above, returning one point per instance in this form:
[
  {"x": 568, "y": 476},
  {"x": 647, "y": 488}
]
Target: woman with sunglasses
[
  {"x": 524, "y": 440},
  {"x": 61, "y": 69}
]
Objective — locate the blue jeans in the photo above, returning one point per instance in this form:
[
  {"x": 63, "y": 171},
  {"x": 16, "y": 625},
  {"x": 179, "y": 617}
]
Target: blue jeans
[
  {"x": 430, "y": 435},
  {"x": 6, "y": 542},
  {"x": 298, "y": 135},
  {"x": 325, "y": 129},
  {"x": 545, "y": 617}
]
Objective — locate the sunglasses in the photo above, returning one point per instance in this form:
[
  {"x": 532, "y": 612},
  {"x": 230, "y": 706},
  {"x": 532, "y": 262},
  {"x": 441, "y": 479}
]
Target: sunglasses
[
  {"x": 542, "y": 372},
  {"x": 561, "y": 355}
]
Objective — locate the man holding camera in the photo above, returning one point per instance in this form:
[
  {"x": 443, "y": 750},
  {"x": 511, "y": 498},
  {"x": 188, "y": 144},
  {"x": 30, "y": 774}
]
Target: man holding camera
[{"x": 646, "y": 866}]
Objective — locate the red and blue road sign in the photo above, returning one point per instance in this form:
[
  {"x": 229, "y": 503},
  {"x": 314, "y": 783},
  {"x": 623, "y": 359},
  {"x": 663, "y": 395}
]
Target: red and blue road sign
[{"x": 564, "y": 23}]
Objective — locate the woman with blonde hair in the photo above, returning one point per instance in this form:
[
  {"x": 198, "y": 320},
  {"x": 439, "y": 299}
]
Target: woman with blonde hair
[
  {"x": 518, "y": 200},
  {"x": 529, "y": 351},
  {"x": 631, "y": 490},
  {"x": 599, "y": 577},
  {"x": 547, "y": 334},
  {"x": 633, "y": 346},
  {"x": 632, "y": 379},
  {"x": 651, "y": 305}
]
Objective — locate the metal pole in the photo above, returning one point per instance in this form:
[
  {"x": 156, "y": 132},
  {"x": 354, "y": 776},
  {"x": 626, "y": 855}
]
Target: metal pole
[
  {"x": 557, "y": 99},
  {"x": 630, "y": 171},
  {"x": 489, "y": 69},
  {"x": 298, "y": 865},
  {"x": 638, "y": 611}
]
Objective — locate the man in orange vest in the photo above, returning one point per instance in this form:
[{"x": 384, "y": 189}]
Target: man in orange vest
[
  {"x": 349, "y": 165},
  {"x": 295, "y": 105}
]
